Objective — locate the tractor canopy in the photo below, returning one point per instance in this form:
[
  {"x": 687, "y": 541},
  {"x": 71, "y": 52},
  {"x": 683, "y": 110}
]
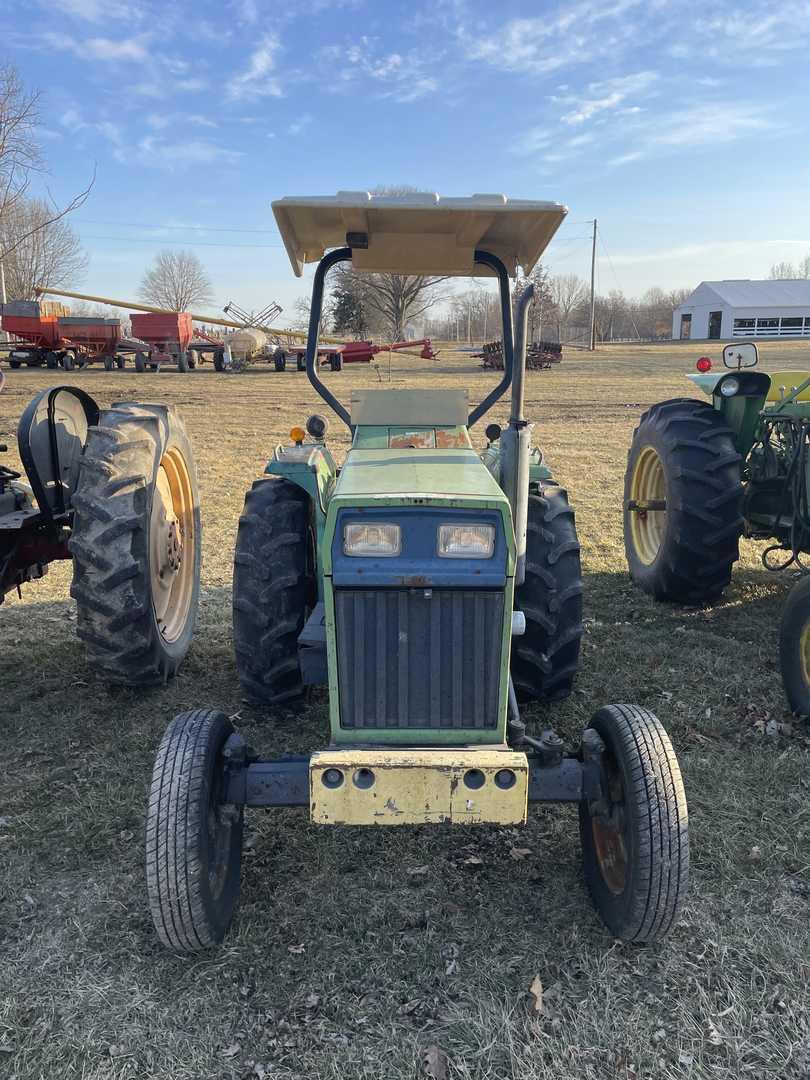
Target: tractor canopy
[{"x": 419, "y": 233}]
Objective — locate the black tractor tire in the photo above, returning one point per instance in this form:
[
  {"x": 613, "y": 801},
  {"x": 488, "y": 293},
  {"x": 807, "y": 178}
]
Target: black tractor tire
[
  {"x": 686, "y": 554},
  {"x": 794, "y": 648},
  {"x": 52, "y": 360},
  {"x": 136, "y": 545},
  {"x": 109, "y": 363},
  {"x": 68, "y": 361},
  {"x": 121, "y": 362},
  {"x": 140, "y": 362},
  {"x": 219, "y": 360},
  {"x": 280, "y": 361},
  {"x": 15, "y": 365},
  {"x": 545, "y": 658},
  {"x": 635, "y": 850},
  {"x": 336, "y": 362},
  {"x": 182, "y": 361},
  {"x": 193, "y": 841},
  {"x": 193, "y": 359},
  {"x": 273, "y": 590},
  {"x": 301, "y": 362}
]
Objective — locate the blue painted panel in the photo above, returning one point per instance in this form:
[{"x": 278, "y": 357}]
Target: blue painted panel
[{"x": 418, "y": 563}]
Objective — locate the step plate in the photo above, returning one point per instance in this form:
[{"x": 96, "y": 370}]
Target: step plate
[{"x": 418, "y": 787}]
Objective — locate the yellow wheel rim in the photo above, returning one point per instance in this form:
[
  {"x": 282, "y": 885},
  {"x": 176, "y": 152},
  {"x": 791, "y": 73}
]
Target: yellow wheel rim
[
  {"x": 647, "y": 484},
  {"x": 804, "y": 653},
  {"x": 172, "y": 545}
]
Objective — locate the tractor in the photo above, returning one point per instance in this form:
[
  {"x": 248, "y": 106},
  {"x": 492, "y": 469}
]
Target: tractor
[
  {"x": 115, "y": 490},
  {"x": 702, "y": 474},
  {"x": 435, "y": 591}
]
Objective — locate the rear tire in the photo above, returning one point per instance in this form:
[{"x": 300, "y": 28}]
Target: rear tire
[
  {"x": 52, "y": 360},
  {"x": 280, "y": 361},
  {"x": 136, "y": 545},
  {"x": 794, "y": 648},
  {"x": 545, "y": 659},
  {"x": 140, "y": 362},
  {"x": 301, "y": 363},
  {"x": 636, "y": 862},
  {"x": 336, "y": 362},
  {"x": 273, "y": 590},
  {"x": 219, "y": 360},
  {"x": 182, "y": 361},
  {"x": 15, "y": 365},
  {"x": 109, "y": 363},
  {"x": 683, "y": 452},
  {"x": 67, "y": 362},
  {"x": 193, "y": 842}
]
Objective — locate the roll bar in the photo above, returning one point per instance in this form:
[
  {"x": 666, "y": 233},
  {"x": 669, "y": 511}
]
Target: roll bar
[{"x": 344, "y": 254}]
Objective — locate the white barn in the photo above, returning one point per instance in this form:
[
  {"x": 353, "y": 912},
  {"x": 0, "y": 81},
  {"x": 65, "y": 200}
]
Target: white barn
[{"x": 749, "y": 309}]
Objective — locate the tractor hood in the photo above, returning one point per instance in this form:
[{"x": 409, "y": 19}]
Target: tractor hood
[{"x": 452, "y": 477}]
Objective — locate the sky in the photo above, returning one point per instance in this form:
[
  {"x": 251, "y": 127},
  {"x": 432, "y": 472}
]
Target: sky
[{"x": 681, "y": 127}]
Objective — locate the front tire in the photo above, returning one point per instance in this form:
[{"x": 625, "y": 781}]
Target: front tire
[
  {"x": 635, "y": 851},
  {"x": 136, "y": 545},
  {"x": 273, "y": 590},
  {"x": 193, "y": 841},
  {"x": 682, "y": 456},
  {"x": 794, "y": 648},
  {"x": 545, "y": 659}
]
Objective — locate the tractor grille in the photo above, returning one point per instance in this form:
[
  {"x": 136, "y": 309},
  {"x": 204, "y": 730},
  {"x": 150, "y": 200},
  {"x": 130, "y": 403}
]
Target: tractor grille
[{"x": 419, "y": 658}]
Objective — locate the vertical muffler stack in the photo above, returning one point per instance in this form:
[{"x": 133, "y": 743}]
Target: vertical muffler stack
[{"x": 516, "y": 442}]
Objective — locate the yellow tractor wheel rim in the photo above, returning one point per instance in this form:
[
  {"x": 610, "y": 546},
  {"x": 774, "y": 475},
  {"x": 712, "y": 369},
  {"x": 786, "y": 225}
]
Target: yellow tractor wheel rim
[
  {"x": 172, "y": 545},
  {"x": 648, "y": 484},
  {"x": 804, "y": 653}
]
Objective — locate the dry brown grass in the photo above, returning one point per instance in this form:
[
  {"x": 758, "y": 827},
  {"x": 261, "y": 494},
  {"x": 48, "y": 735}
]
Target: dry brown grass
[{"x": 396, "y": 961}]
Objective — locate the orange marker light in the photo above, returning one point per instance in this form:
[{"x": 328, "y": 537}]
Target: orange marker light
[{"x": 297, "y": 434}]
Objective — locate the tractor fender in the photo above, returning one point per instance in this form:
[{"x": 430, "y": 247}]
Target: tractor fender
[
  {"x": 310, "y": 466},
  {"x": 51, "y": 437}
]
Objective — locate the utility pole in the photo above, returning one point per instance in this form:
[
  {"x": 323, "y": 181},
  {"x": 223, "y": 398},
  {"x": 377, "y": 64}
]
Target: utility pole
[{"x": 592, "y": 345}]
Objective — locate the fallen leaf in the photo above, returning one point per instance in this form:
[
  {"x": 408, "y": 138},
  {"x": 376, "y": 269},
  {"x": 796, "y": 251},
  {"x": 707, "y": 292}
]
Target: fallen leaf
[
  {"x": 231, "y": 1051},
  {"x": 714, "y": 1035},
  {"x": 297, "y": 949},
  {"x": 685, "y": 1059},
  {"x": 473, "y": 860},
  {"x": 418, "y": 871},
  {"x": 435, "y": 1063},
  {"x": 520, "y": 852},
  {"x": 755, "y": 854},
  {"x": 536, "y": 992}
]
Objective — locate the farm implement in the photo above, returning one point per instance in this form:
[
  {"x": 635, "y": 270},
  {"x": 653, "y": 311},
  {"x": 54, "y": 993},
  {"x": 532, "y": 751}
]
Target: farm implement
[
  {"x": 352, "y": 352},
  {"x": 702, "y": 475},
  {"x": 540, "y": 355},
  {"x": 55, "y": 341},
  {"x": 435, "y": 590},
  {"x": 115, "y": 491}
]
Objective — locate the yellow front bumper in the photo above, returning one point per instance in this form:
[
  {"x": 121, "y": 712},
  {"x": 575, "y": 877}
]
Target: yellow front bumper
[{"x": 418, "y": 787}]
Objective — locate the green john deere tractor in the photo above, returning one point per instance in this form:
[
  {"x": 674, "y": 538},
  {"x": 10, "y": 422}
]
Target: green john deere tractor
[
  {"x": 434, "y": 589},
  {"x": 701, "y": 475}
]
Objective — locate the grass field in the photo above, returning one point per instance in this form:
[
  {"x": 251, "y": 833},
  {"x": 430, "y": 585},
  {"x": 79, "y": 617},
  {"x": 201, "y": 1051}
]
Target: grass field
[{"x": 392, "y": 955}]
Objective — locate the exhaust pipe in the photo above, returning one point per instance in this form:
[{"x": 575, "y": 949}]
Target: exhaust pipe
[{"x": 516, "y": 442}]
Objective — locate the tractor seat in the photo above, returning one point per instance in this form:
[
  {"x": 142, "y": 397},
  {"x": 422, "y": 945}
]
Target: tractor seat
[{"x": 788, "y": 379}]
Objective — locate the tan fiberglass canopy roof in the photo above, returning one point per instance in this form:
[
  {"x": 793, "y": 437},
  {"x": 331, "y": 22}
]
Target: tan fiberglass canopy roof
[{"x": 419, "y": 233}]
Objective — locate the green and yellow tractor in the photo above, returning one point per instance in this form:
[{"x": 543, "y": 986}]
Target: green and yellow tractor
[
  {"x": 703, "y": 474},
  {"x": 434, "y": 590}
]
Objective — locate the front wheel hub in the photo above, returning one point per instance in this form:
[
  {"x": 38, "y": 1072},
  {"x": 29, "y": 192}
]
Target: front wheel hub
[{"x": 174, "y": 546}]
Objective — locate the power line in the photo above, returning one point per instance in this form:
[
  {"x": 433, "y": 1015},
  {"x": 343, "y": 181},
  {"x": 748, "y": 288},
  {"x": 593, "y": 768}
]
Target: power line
[
  {"x": 154, "y": 225},
  {"x": 177, "y": 243}
]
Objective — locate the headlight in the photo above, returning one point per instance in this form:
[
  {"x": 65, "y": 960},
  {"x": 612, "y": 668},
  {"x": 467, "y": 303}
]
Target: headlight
[
  {"x": 466, "y": 541},
  {"x": 371, "y": 540},
  {"x": 729, "y": 386}
]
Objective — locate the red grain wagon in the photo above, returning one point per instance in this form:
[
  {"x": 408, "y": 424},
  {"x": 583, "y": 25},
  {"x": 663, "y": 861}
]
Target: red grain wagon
[{"x": 168, "y": 338}]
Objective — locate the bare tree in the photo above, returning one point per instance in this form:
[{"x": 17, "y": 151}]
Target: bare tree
[
  {"x": 176, "y": 280},
  {"x": 568, "y": 291},
  {"x": 20, "y": 156},
  {"x": 48, "y": 253},
  {"x": 783, "y": 270}
]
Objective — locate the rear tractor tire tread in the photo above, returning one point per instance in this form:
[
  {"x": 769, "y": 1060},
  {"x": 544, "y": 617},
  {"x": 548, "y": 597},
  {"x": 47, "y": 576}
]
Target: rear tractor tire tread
[
  {"x": 271, "y": 589},
  {"x": 793, "y": 628},
  {"x": 110, "y": 546},
  {"x": 704, "y": 502},
  {"x": 545, "y": 659}
]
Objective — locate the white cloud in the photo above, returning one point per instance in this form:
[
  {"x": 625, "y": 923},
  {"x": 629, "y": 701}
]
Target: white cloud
[
  {"x": 605, "y": 96},
  {"x": 161, "y": 153},
  {"x": 98, "y": 48},
  {"x": 161, "y": 121},
  {"x": 710, "y": 123},
  {"x": 95, "y": 11},
  {"x": 258, "y": 80},
  {"x": 399, "y": 77}
]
